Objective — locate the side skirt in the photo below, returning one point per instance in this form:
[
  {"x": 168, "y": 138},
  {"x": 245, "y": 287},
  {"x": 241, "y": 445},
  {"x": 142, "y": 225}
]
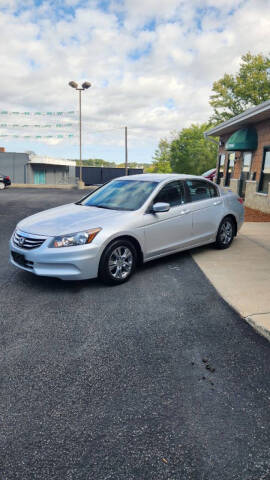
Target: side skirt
[{"x": 182, "y": 249}]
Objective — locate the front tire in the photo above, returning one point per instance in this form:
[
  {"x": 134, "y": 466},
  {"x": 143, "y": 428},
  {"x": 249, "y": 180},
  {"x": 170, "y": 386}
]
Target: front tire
[
  {"x": 226, "y": 233},
  {"x": 118, "y": 262}
]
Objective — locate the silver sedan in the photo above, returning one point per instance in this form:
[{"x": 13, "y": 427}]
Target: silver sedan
[{"x": 128, "y": 221}]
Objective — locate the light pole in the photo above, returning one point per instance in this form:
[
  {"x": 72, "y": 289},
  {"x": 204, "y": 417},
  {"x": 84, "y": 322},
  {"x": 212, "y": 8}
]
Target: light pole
[
  {"x": 126, "y": 152},
  {"x": 84, "y": 86}
]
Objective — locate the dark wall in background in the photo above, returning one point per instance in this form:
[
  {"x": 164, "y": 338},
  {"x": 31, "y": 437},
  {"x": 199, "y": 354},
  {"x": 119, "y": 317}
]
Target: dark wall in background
[
  {"x": 100, "y": 175},
  {"x": 14, "y": 165}
]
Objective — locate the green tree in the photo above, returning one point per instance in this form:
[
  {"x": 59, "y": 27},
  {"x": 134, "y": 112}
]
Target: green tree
[
  {"x": 161, "y": 159},
  {"x": 131, "y": 165},
  {"x": 235, "y": 93},
  {"x": 190, "y": 153},
  {"x": 96, "y": 162}
]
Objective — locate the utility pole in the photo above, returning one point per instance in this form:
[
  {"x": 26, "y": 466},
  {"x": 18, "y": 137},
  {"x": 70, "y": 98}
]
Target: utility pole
[{"x": 126, "y": 153}]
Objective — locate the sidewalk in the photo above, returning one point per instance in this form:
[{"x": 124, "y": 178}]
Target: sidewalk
[{"x": 241, "y": 274}]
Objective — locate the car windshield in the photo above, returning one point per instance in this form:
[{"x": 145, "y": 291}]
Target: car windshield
[{"x": 121, "y": 195}]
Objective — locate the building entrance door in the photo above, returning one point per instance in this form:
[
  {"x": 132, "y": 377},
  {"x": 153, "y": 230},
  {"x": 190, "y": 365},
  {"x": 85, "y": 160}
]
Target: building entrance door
[{"x": 39, "y": 177}]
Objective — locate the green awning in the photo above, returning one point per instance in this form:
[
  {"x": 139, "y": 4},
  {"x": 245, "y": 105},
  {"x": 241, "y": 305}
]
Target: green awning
[{"x": 243, "y": 139}]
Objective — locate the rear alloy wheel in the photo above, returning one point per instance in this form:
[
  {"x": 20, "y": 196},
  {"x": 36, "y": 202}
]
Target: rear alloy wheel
[
  {"x": 225, "y": 233},
  {"x": 117, "y": 262}
]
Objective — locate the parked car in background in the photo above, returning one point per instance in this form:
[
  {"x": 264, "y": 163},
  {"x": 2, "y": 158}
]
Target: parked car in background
[
  {"x": 210, "y": 174},
  {"x": 127, "y": 221},
  {"x": 5, "y": 179}
]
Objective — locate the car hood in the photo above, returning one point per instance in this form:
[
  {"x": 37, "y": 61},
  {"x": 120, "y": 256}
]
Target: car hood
[{"x": 69, "y": 218}]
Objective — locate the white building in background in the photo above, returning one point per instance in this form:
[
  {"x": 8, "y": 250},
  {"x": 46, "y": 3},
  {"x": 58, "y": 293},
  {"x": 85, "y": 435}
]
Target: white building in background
[{"x": 37, "y": 169}]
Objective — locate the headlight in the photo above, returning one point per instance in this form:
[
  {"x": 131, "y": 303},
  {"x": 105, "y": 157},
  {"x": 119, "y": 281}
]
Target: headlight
[{"x": 79, "y": 238}]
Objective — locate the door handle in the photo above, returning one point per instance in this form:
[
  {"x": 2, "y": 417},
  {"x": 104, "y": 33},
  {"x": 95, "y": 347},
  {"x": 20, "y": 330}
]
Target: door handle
[
  {"x": 218, "y": 202},
  {"x": 184, "y": 212}
]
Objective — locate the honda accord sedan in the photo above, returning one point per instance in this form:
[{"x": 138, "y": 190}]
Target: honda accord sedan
[{"x": 125, "y": 222}]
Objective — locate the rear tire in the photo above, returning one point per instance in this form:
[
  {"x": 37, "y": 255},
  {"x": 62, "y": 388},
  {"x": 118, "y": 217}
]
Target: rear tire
[
  {"x": 226, "y": 233},
  {"x": 118, "y": 262}
]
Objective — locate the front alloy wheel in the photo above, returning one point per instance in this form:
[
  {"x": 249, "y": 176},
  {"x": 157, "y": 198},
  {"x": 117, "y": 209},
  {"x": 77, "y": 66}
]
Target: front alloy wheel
[
  {"x": 120, "y": 262},
  {"x": 117, "y": 262}
]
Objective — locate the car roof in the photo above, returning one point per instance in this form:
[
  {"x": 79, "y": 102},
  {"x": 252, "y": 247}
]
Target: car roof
[{"x": 160, "y": 177}]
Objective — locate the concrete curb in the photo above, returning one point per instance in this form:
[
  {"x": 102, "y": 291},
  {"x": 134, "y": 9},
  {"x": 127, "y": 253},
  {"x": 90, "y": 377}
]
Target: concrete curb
[
  {"x": 241, "y": 274},
  {"x": 262, "y": 330}
]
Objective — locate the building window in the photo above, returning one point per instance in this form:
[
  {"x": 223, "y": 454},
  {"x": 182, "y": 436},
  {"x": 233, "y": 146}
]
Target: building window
[
  {"x": 230, "y": 168},
  {"x": 221, "y": 162},
  {"x": 265, "y": 174},
  {"x": 245, "y": 172}
]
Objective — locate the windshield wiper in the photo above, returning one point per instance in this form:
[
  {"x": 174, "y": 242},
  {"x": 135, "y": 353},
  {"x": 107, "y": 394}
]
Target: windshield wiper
[
  {"x": 97, "y": 206},
  {"x": 108, "y": 208},
  {"x": 100, "y": 206}
]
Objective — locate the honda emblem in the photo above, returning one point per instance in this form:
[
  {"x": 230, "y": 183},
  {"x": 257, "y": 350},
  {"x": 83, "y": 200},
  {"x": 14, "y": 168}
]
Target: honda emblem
[{"x": 21, "y": 241}]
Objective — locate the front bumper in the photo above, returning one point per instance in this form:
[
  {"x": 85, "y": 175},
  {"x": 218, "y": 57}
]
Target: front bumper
[{"x": 67, "y": 263}]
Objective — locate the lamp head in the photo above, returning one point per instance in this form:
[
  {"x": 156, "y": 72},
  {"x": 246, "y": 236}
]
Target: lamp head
[
  {"x": 86, "y": 85},
  {"x": 73, "y": 84}
]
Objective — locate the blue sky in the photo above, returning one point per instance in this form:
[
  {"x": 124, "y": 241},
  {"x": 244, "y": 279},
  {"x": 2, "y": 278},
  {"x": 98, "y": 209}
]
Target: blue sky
[{"x": 151, "y": 64}]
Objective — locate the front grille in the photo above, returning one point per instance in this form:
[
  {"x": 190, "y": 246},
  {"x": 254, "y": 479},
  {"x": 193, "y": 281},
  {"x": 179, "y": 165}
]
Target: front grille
[{"x": 26, "y": 241}]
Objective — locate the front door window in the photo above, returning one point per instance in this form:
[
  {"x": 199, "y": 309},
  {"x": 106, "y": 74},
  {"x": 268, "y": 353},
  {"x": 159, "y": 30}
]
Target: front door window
[{"x": 173, "y": 193}]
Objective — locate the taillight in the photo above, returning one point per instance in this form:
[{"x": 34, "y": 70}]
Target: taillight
[
  {"x": 7, "y": 177},
  {"x": 240, "y": 200}
]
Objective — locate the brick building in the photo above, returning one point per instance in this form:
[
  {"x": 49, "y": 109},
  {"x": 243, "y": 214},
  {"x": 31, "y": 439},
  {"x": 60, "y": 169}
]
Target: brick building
[{"x": 243, "y": 163}]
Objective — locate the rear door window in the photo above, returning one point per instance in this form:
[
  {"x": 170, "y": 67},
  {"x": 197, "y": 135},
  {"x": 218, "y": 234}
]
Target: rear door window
[{"x": 198, "y": 190}]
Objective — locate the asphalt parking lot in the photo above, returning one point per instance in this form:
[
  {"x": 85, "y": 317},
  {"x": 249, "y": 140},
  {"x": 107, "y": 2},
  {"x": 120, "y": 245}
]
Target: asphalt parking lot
[{"x": 157, "y": 379}]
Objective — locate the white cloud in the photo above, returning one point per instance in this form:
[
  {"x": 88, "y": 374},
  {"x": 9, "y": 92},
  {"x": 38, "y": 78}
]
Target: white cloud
[{"x": 151, "y": 63}]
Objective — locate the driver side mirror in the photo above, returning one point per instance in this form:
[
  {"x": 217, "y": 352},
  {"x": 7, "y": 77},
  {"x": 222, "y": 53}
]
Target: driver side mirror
[{"x": 160, "y": 207}]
